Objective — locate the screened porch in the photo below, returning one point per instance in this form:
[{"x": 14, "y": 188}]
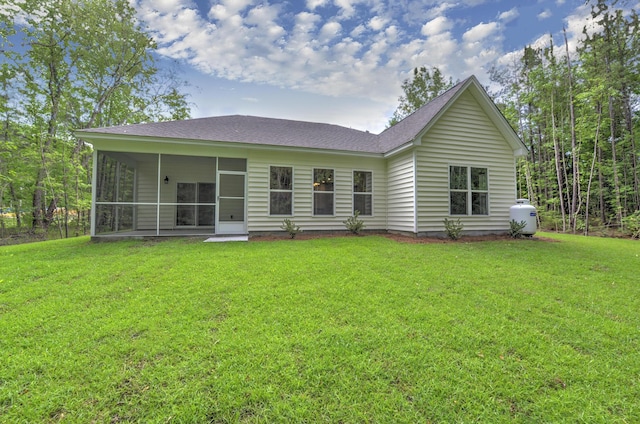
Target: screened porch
[{"x": 142, "y": 194}]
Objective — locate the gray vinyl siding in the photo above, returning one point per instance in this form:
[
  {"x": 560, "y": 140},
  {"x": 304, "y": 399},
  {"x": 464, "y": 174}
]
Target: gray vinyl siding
[
  {"x": 303, "y": 164},
  {"x": 464, "y": 136},
  {"x": 147, "y": 192},
  {"x": 401, "y": 205}
]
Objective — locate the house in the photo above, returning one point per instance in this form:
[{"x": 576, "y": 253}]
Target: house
[{"x": 452, "y": 158}]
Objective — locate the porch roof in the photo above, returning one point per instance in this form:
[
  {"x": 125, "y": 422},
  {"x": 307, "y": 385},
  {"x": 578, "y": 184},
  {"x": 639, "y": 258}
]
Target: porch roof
[{"x": 251, "y": 130}]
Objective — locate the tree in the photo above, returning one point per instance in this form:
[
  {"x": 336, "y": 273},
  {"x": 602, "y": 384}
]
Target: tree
[
  {"x": 82, "y": 64},
  {"x": 425, "y": 86},
  {"x": 578, "y": 113}
]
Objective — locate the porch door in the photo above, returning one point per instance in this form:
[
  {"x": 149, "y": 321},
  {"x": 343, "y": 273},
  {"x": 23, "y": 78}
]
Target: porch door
[{"x": 231, "y": 217}]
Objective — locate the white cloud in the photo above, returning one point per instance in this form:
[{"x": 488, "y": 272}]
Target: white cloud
[
  {"x": 546, "y": 14},
  {"x": 314, "y": 4},
  {"x": 364, "y": 50},
  {"x": 358, "y": 31},
  {"x": 439, "y": 10},
  {"x": 436, "y": 26},
  {"x": 480, "y": 32},
  {"x": 377, "y": 23},
  {"x": 392, "y": 34},
  {"x": 329, "y": 31},
  {"x": 509, "y": 15},
  {"x": 347, "y": 7}
]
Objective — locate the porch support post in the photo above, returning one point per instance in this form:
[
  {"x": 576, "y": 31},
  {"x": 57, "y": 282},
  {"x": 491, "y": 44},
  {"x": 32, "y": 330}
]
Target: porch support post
[
  {"x": 94, "y": 189},
  {"x": 415, "y": 192},
  {"x": 158, "y": 204},
  {"x": 117, "y": 214}
]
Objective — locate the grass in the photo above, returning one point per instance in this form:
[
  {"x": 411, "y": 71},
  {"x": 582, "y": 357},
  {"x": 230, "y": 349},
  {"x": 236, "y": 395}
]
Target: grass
[{"x": 353, "y": 329}]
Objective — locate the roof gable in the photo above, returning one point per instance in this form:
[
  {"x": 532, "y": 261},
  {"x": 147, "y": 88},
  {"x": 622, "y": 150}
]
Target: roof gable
[
  {"x": 408, "y": 129},
  {"x": 411, "y": 129}
]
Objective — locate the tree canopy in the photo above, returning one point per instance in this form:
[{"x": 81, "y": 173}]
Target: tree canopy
[
  {"x": 578, "y": 113},
  {"x": 69, "y": 64},
  {"x": 424, "y": 86}
]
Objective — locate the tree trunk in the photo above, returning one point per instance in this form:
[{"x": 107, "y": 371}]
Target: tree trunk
[
  {"x": 559, "y": 167},
  {"x": 16, "y": 205},
  {"x": 614, "y": 163},
  {"x": 593, "y": 164},
  {"x": 573, "y": 206}
]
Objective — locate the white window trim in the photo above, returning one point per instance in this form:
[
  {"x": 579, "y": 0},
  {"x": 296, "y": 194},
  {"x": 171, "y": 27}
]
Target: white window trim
[
  {"x": 371, "y": 193},
  {"x": 292, "y": 191},
  {"x": 313, "y": 193},
  {"x": 468, "y": 190}
]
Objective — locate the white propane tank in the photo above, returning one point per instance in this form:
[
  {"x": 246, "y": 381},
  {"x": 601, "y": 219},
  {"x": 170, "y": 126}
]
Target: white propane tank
[{"x": 524, "y": 211}]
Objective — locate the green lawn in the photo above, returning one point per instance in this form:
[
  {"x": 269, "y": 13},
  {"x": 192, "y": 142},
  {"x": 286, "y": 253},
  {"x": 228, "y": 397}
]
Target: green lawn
[{"x": 351, "y": 329}]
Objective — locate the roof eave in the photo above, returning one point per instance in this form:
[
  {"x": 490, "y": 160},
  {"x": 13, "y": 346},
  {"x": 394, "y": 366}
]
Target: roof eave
[
  {"x": 399, "y": 149},
  {"x": 94, "y": 136}
]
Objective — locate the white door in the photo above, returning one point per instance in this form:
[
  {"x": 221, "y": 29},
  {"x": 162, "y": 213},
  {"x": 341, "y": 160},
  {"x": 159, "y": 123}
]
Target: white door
[{"x": 231, "y": 216}]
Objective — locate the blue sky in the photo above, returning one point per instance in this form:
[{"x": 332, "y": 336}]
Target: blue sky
[{"x": 340, "y": 61}]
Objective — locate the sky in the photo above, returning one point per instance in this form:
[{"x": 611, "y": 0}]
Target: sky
[{"x": 340, "y": 61}]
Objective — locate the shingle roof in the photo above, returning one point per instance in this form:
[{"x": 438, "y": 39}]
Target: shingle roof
[
  {"x": 253, "y": 130},
  {"x": 288, "y": 133}
]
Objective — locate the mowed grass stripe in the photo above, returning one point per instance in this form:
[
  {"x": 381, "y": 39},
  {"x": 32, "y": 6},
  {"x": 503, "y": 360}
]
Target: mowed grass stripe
[{"x": 350, "y": 329}]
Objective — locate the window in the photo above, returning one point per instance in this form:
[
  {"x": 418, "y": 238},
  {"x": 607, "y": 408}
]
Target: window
[
  {"x": 363, "y": 192},
  {"x": 468, "y": 191},
  {"x": 323, "y": 191},
  {"x": 194, "y": 212},
  {"x": 281, "y": 190}
]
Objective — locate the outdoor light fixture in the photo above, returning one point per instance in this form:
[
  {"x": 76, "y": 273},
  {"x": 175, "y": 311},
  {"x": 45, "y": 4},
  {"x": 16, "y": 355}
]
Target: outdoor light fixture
[{"x": 166, "y": 179}]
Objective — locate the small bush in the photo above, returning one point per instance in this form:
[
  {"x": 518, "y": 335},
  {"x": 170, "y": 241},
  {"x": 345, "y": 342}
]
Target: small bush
[
  {"x": 353, "y": 224},
  {"x": 515, "y": 228},
  {"x": 632, "y": 225},
  {"x": 290, "y": 227},
  {"x": 453, "y": 229}
]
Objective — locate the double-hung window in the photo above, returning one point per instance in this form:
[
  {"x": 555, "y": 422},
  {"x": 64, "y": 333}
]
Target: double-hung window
[
  {"x": 363, "y": 192},
  {"x": 281, "y": 190},
  {"x": 323, "y": 191},
  {"x": 468, "y": 190}
]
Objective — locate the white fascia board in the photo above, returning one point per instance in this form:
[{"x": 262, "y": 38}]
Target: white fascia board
[{"x": 399, "y": 149}]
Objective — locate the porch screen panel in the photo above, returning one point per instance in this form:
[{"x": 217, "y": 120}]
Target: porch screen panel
[
  {"x": 232, "y": 164},
  {"x": 231, "y": 185},
  {"x": 231, "y": 210},
  {"x": 114, "y": 218},
  {"x": 126, "y": 192},
  {"x": 115, "y": 181},
  {"x": 231, "y": 205},
  {"x": 186, "y": 214},
  {"x": 206, "y": 213}
]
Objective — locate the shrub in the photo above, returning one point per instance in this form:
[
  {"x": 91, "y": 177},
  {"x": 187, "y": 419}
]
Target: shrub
[
  {"x": 632, "y": 225},
  {"x": 290, "y": 227},
  {"x": 453, "y": 229},
  {"x": 353, "y": 224},
  {"x": 515, "y": 228}
]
